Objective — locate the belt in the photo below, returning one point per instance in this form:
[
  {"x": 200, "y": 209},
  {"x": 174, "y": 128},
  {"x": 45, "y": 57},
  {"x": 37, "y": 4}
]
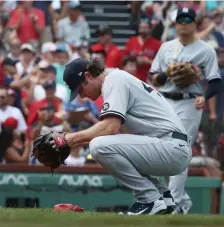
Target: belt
[
  {"x": 179, "y": 96},
  {"x": 180, "y": 136}
]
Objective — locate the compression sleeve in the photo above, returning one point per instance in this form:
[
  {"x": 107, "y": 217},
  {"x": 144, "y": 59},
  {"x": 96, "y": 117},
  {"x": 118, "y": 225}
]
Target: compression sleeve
[{"x": 214, "y": 87}]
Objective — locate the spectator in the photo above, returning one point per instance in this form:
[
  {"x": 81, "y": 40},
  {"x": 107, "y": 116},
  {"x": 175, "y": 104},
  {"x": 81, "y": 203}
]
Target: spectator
[
  {"x": 81, "y": 50},
  {"x": 10, "y": 76},
  {"x": 11, "y": 97},
  {"x": 48, "y": 52},
  {"x": 113, "y": 53},
  {"x": 28, "y": 60},
  {"x": 62, "y": 57},
  {"x": 7, "y": 111},
  {"x": 19, "y": 149},
  {"x": 8, "y": 6},
  {"x": 47, "y": 122},
  {"x": 217, "y": 18},
  {"x": 156, "y": 12},
  {"x": 14, "y": 49},
  {"x": 90, "y": 118},
  {"x": 130, "y": 65},
  {"x": 99, "y": 53},
  {"x": 46, "y": 7},
  {"x": 6, "y": 138},
  {"x": 18, "y": 152},
  {"x": 144, "y": 47},
  {"x": 5, "y": 9},
  {"x": 50, "y": 87},
  {"x": 73, "y": 28},
  {"x": 47, "y": 72},
  {"x": 29, "y": 22}
]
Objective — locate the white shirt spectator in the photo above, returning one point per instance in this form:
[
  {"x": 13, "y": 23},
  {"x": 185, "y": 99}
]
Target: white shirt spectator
[
  {"x": 10, "y": 5},
  {"x": 72, "y": 33},
  {"x": 20, "y": 69},
  {"x": 61, "y": 92},
  {"x": 16, "y": 113}
]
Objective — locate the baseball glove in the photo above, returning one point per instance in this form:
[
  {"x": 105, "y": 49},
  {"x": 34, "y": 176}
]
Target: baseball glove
[
  {"x": 183, "y": 74},
  {"x": 48, "y": 155}
]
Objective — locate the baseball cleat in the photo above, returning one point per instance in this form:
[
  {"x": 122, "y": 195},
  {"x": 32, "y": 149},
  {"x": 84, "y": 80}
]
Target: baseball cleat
[
  {"x": 169, "y": 201},
  {"x": 157, "y": 207}
]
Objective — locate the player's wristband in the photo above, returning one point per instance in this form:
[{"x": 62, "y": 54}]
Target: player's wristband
[{"x": 161, "y": 78}]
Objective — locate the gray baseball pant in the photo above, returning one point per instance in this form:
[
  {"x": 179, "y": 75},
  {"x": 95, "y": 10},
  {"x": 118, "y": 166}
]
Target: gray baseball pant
[
  {"x": 190, "y": 118},
  {"x": 136, "y": 161}
]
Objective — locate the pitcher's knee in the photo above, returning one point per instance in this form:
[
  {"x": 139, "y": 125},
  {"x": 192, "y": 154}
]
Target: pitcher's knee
[{"x": 96, "y": 146}]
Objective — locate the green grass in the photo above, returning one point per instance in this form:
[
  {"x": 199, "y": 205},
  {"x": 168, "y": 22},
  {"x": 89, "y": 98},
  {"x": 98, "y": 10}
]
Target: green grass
[{"x": 48, "y": 218}]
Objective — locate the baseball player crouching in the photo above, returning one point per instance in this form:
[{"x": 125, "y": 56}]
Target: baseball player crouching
[
  {"x": 158, "y": 145},
  {"x": 177, "y": 71}
]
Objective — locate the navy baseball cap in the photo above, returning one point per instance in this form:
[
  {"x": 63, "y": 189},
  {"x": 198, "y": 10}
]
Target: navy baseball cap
[
  {"x": 186, "y": 12},
  {"x": 74, "y": 75}
]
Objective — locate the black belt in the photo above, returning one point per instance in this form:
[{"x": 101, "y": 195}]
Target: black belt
[
  {"x": 179, "y": 96},
  {"x": 179, "y": 135}
]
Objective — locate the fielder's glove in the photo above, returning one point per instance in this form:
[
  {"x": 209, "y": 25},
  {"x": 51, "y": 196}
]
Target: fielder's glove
[
  {"x": 48, "y": 155},
  {"x": 183, "y": 74}
]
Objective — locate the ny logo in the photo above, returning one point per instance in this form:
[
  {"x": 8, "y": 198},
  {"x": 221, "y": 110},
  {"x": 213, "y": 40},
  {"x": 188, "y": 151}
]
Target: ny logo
[{"x": 185, "y": 10}]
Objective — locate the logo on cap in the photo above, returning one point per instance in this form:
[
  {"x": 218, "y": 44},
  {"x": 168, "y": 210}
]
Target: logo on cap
[
  {"x": 80, "y": 74},
  {"x": 185, "y": 10}
]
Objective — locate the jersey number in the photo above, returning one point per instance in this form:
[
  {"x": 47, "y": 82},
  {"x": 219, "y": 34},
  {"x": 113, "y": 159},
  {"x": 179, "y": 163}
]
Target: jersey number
[{"x": 149, "y": 89}]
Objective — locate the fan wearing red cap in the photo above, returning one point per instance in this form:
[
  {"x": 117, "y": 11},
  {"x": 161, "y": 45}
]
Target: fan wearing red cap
[{"x": 10, "y": 122}]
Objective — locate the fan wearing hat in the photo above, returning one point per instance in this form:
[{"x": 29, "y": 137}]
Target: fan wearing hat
[
  {"x": 48, "y": 121},
  {"x": 74, "y": 27},
  {"x": 113, "y": 53},
  {"x": 40, "y": 82},
  {"x": 27, "y": 62},
  {"x": 10, "y": 76},
  {"x": 7, "y": 111},
  {"x": 48, "y": 52},
  {"x": 187, "y": 101}
]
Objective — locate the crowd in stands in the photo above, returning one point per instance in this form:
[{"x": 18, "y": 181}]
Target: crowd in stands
[{"x": 38, "y": 39}]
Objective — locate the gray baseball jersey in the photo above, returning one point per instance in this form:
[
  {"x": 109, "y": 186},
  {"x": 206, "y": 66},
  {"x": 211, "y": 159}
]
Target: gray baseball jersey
[
  {"x": 198, "y": 53},
  {"x": 143, "y": 109}
]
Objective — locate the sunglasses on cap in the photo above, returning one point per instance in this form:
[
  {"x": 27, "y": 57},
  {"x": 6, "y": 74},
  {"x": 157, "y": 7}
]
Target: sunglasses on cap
[{"x": 185, "y": 20}]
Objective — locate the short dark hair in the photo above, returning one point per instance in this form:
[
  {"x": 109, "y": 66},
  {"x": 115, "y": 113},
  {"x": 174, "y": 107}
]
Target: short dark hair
[
  {"x": 128, "y": 59},
  {"x": 96, "y": 67}
]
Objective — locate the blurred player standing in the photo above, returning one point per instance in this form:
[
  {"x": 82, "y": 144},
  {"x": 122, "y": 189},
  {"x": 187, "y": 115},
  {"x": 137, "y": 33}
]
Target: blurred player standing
[{"x": 188, "y": 101}]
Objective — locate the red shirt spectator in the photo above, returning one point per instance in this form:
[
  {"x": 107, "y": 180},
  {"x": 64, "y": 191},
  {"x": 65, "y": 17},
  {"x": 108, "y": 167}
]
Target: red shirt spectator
[
  {"x": 144, "y": 47},
  {"x": 35, "y": 106},
  {"x": 113, "y": 53},
  {"x": 29, "y": 22}
]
